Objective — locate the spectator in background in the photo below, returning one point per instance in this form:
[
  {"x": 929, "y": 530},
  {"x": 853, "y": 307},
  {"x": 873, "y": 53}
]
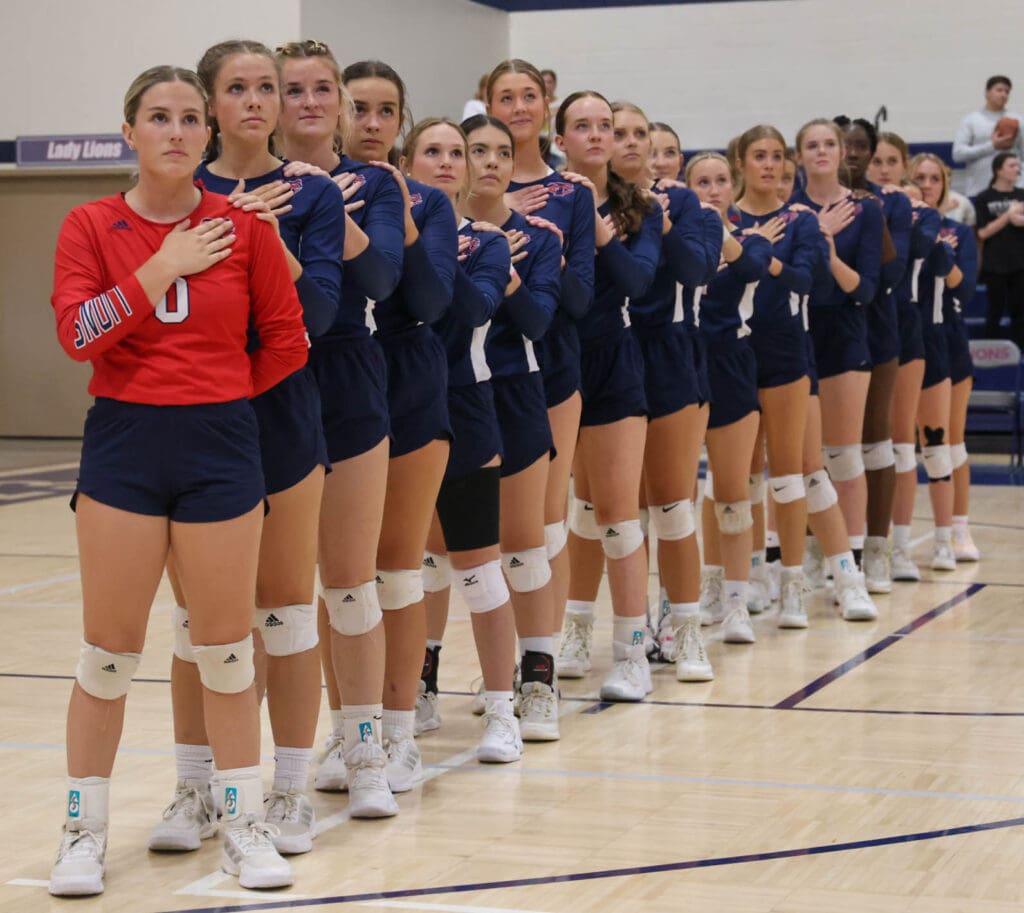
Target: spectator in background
[
  {"x": 551, "y": 89},
  {"x": 1000, "y": 210},
  {"x": 476, "y": 105},
  {"x": 958, "y": 207},
  {"x": 978, "y": 139},
  {"x": 552, "y": 154}
]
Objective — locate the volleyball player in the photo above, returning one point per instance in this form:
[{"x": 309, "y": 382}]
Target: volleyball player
[
  {"x": 157, "y": 288},
  {"x": 666, "y": 161}
]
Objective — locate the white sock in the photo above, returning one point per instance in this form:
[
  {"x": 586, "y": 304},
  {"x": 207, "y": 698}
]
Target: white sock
[
  {"x": 792, "y": 573},
  {"x": 680, "y": 611},
  {"x": 502, "y": 702},
  {"x": 193, "y": 762},
  {"x": 901, "y": 536},
  {"x": 960, "y": 522},
  {"x": 627, "y": 631},
  {"x": 433, "y": 643},
  {"x": 580, "y": 607},
  {"x": 856, "y": 542},
  {"x": 943, "y": 534},
  {"x": 537, "y": 645},
  {"x": 844, "y": 568},
  {"x": 556, "y": 643},
  {"x": 362, "y": 724},
  {"x": 736, "y": 589},
  {"x": 399, "y": 724},
  {"x": 89, "y": 799},
  {"x": 771, "y": 539},
  {"x": 337, "y": 722},
  {"x": 242, "y": 792},
  {"x": 291, "y": 768}
]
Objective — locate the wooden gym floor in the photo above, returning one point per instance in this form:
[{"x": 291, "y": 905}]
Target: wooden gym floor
[{"x": 851, "y": 767}]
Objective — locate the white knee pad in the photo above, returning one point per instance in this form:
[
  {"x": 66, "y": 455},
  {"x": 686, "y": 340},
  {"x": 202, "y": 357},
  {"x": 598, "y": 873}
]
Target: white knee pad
[
  {"x": 757, "y": 488},
  {"x": 821, "y": 493},
  {"x": 938, "y": 462},
  {"x": 958, "y": 453},
  {"x": 734, "y": 517},
  {"x": 353, "y": 610},
  {"x": 554, "y": 538},
  {"x": 398, "y": 589},
  {"x": 645, "y": 521},
  {"x": 675, "y": 521},
  {"x": 879, "y": 455},
  {"x": 482, "y": 587},
  {"x": 843, "y": 463},
  {"x": 787, "y": 489},
  {"x": 709, "y": 485},
  {"x": 906, "y": 459},
  {"x": 582, "y": 520},
  {"x": 104, "y": 674},
  {"x": 287, "y": 630},
  {"x": 527, "y": 570},
  {"x": 182, "y": 640},
  {"x": 226, "y": 668},
  {"x": 621, "y": 539},
  {"x": 437, "y": 572}
]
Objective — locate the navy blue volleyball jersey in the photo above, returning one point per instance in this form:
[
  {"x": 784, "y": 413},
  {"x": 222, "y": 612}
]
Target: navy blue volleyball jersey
[
  {"x": 689, "y": 256},
  {"x": 428, "y": 268},
  {"x": 728, "y": 300},
  {"x": 524, "y": 316},
  {"x": 931, "y": 281},
  {"x": 898, "y": 213},
  {"x": 800, "y": 251},
  {"x": 622, "y": 270},
  {"x": 924, "y": 237},
  {"x": 966, "y": 253},
  {"x": 571, "y": 207},
  {"x": 690, "y": 299},
  {"x": 480, "y": 282},
  {"x": 859, "y": 246},
  {"x": 374, "y": 274},
  {"x": 314, "y": 232}
]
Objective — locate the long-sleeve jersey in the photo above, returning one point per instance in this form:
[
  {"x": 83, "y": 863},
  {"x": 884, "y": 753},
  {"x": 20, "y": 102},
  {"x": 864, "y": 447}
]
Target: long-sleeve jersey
[
  {"x": 524, "y": 316},
  {"x": 374, "y": 274},
  {"x": 800, "y": 251},
  {"x": 923, "y": 239},
  {"x": 314, "y": 232},
  {"x": 966, "y": 253},
  {"x": 728, "y": 300},
  {"x": 428, "y": 270},
  {"x": 899, "y": 219},
  {"x": 689, "y": 255},
  {"x": 622, "y": 270},
  {"x": 859, "y": 246},
  {"x": 191, "y": 347},
  {"x": 480, "y": 283},
  {"x": 973, "y": 146},
  {"x": 934, "y": 270}
]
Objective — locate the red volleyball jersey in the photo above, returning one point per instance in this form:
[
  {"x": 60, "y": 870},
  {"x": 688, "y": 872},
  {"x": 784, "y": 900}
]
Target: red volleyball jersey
[{"x": 191, "y": 347}]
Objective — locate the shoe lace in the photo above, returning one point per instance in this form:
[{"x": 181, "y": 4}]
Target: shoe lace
[
  {"x": 499, "y": 724},
  {"x": 400, "y": 751},
  {"x": 185, "y": 802},
  {"x": 575, "y": 643},
  {"x": 792, "y": 596},
  {"x": 533, "y": 694},
  {"x": 335, "y": 744},
  {"x": 254, "y": 835},
  {"x": 282, "y": 806},
  {"x": 691, "y": 640},
  {"x": 738, "y": 617},
  {"x": 80, "y": 842}
]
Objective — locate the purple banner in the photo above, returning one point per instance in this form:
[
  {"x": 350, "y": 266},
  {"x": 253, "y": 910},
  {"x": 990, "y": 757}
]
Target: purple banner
[{"x": 73, "y": 151}]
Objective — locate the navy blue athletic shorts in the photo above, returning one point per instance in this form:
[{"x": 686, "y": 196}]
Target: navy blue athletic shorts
[
  {"x": 780, "y": 352},
  {"x": 476, "y": 437},
  {"x": 670, "y": 375},
  {"x": 523, "y": 420},
  {"x": 292, "y": 439},
  {"x": 353, "y": 379},
  {"x": 961, "y": 365},
  {"x": 732, "y": 373},
  {"x": 558, "y": 354},
  {"x": 417, "y": 388},
  {"x": 908, "y": 314},
  {"x": 840, "y": 337},
  {"x": 936, "y": 355},
  {"x": 884, "y": 342},
  {"x": 612, "y": 371},
  {"x": 700, "y": 363},
  {"x": 192, "y": 464}
]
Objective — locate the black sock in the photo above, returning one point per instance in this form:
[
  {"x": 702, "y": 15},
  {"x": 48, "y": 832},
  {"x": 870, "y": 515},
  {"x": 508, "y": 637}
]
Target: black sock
[
  {"x": 429, "y": 673},
  {"x": 773, "y": 553},
  {"x": 857, "y": 553},
  {"x": 538, "y": 667}
]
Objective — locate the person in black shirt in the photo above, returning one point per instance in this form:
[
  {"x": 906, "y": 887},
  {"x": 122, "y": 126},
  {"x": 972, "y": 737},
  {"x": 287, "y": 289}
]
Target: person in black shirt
[{"x": 1000, "y": 211}]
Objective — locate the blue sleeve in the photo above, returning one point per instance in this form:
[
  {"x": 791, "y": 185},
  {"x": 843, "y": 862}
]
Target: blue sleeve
[
  {"x": 578, "y": 276},
  {"x": 752, "y": 264},
  {"x": 378, "y": 269},
  {"x": 901, "y": 227},
  {"x": 632, "y": 265},
  {"x": 684, "y": 246},
  {"x": 533, "y": 304},
  {"x": 967, "y": 260},
  {"x": 478, "y": 294},
  {"x": 806, "y": 254},
  {"x": 320, "y": 249},
  {"x": 868, "y": 260},
  {"x": 713, "y": 237},
  {"x": 428, "y": 273},
  {"x": 926, "y": 233}
]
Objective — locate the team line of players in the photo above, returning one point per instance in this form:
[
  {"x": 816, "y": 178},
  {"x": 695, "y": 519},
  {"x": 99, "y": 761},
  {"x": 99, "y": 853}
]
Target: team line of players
[{"x": 481, "y": 330}]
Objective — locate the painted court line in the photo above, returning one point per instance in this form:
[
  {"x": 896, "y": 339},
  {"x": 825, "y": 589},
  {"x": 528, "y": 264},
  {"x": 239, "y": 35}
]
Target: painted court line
[
  {"x": 821, "y": 849},
  {"x": 37, "y": 584},
  {"x": 441, "y": 907},
  {"x": 814, "y": 687},
  {"x": 37, "y": 470}
]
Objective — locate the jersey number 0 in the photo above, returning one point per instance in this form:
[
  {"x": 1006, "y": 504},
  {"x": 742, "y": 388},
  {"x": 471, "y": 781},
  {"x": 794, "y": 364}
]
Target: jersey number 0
[{"x": 173, "y": 307}]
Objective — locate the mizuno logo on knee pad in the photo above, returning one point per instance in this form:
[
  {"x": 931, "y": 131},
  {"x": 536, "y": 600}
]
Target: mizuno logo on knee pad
[{"x": 470, "y": 581}]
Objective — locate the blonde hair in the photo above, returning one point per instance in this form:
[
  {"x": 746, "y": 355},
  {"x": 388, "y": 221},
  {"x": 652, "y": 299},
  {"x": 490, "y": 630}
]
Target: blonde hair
[
  {"x": 919, "y": 160},
  {"x": 412, "y": 140},
  {"x": 155, "y": 76},
  {"x": 704, "y": 157},
  {"x": 898, "y": 143},
  {"x": 310, "y": 49},
  {"x": 818, "y": 122}
]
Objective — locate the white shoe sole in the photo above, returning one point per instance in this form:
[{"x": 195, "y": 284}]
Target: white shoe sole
[
  {"x": 739, "y": 635},
  {"x": 860, "y": 615},
  {"x": 330, "y": 784},
  {"x": 539, "y": 732},
  {"x": 793, "y": 622},
  {"x": 498, "y": 756},
  {"x": 293, "y": 845},
  {"x": 79, "y": 886},
  {"x": 907, "y": 577},
  {"x": 944, "y": 565},
  {"x": 381, "y": 807},
  {"x": 572, "y": 669},
  {"x": 694, "y": 672},
  {"x": 258, "y": 879},
  {"x": 181, "y": 841},
  {"x": 407, "y": 782},
  {"x": 879, "y": 587}
]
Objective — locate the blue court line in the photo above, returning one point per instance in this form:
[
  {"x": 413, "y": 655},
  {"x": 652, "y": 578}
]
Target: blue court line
[
  {"x": 896, "y": 637},
  {"x": 821, "y": 849}
]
